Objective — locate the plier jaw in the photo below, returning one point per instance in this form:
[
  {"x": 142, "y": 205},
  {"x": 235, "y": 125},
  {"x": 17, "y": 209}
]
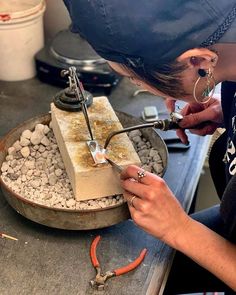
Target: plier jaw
[{"x": 100, "y": 279}]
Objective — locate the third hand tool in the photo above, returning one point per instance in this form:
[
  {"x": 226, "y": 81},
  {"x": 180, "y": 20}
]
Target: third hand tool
[
  {"x": 101, "y": 278},
  {"x": 79, "y": 93}
]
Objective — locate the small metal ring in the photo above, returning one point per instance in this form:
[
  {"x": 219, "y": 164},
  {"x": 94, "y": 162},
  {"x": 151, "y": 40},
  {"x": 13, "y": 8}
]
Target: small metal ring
[{"x": 132, "y": 200}]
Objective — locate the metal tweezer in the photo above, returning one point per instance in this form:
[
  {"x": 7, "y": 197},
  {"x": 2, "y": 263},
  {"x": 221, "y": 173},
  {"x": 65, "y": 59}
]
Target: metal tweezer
[{"x": 118, "y": 168}]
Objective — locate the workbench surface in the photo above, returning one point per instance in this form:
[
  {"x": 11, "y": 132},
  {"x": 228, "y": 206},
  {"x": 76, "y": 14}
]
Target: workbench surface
[{"x": 51, "y": 261}]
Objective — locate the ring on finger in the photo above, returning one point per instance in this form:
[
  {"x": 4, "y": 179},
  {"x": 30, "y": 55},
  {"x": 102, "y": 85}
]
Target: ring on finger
[
  {"x": 141, "y": 174},
  {"x": 131, "y": 201}
]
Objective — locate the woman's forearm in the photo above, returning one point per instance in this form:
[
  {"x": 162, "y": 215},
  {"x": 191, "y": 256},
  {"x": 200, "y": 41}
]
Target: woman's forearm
[{"x": 209, "y": 250}]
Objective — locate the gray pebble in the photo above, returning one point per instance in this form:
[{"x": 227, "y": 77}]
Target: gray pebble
[
  {"x": 52, "y": 179},
  {"x": 35, "y": 183},
  {"x": 46, "y": 129},
  {"x": 39, "y": 127},
  {"x": 25, "y": 151},
  {"x": 36, "y": 137},
  {"x": 41, "y": 148},
  {"x": 136, "y": 139},
  {"x": 45, "y": 141},
  {"x": 11, "y": 150},
  {"x": 134, "y": 133},
  {"x": 17, "y": 146},
  {"x": 24, "y": 141},
  {"x": 30, "y": 164},
  {"x": 143, "y": 153},
  {"x": 26, "y": 134},
  {"x": 4, "y": 167},
  {"x": 9, "y": 158},
  {"x": 157, "y": 168},
  {"x": 58, "y": 172},
  {"x": 70, "y": 203},
  {"x": 147, "y": 167}
]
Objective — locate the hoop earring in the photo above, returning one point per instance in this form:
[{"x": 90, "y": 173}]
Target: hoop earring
[{"x": 205, "y": 94}]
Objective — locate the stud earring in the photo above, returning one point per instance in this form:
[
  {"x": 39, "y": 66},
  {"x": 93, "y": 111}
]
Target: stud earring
[
  {"x": 202, "y": 73},
  {"x": 210, "y": 87}
]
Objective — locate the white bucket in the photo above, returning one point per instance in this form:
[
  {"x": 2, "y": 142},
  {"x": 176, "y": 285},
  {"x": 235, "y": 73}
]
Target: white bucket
[{"x": 21, "y": 37}]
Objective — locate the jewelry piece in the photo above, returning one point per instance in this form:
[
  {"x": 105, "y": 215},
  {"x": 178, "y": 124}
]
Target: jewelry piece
[
  {"x": 141, "y": 174},
  {"x": 208, "y": 90},
  {"x": 132, "y": 200},
  {"x": 202, "y": 73}
]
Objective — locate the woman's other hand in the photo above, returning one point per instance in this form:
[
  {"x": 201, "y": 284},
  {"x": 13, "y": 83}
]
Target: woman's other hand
[{"x": 200, "y": 119}]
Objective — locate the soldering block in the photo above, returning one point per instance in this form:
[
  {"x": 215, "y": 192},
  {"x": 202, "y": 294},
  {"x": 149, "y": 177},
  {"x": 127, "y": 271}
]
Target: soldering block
[{"x": 89, "y": 181}]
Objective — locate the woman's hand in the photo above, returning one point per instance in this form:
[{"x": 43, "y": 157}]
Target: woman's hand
[
  {"x": 155, "y": 208},
  {"x": 200, "y": 119}
]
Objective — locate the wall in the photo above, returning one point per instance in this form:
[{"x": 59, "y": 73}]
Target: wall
[{"x": 56, "y": 18}]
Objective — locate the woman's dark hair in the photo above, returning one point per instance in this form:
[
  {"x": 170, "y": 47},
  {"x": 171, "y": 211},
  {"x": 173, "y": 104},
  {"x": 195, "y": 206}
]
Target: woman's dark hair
[{"x": 165, "y": 78}]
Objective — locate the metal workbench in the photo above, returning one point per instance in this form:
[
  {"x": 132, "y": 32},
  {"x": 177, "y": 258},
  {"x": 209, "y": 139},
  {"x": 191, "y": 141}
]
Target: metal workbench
[{"x": 51, "y": 261}]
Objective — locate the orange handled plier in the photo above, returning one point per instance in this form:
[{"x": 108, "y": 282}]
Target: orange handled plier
[{"x": 100, "y": 279}]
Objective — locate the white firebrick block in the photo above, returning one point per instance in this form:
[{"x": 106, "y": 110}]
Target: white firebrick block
[{"x": 89, "y": 181}]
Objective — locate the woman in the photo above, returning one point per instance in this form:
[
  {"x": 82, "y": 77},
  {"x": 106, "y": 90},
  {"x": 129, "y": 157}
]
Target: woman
[{"x": 177, "y": 50}]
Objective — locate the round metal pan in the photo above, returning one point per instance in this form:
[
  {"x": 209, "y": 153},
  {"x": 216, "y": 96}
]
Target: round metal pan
[{"x": 68, "y": 218}]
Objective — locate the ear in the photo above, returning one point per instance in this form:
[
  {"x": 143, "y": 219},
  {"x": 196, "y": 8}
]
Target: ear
[{"x": 199, "y": 58}]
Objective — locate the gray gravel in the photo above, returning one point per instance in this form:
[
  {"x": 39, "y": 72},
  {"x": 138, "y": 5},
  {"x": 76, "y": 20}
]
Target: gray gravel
[{"x": 34, "y": 169}]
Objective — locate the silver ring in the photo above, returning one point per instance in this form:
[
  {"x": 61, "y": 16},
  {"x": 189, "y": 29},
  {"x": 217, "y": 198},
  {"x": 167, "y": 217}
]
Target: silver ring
[
  {"x": 141, "y": 174},
  {"x": 132, "y": 200}
]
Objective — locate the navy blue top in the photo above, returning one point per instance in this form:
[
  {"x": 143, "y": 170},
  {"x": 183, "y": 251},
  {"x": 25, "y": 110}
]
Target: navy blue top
[{"x": 228, "y": 204}]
